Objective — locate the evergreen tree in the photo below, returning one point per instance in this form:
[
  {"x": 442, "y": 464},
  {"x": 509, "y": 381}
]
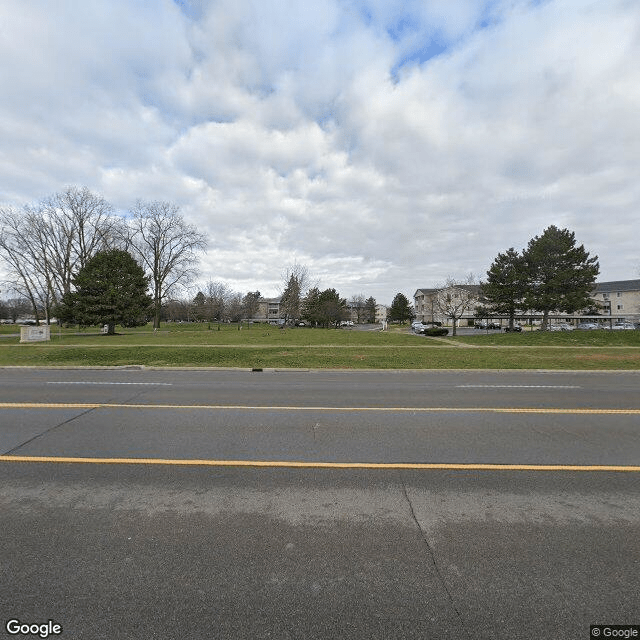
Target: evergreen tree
[
  {"x": 290, "y": 301},
  {"x": 400, "y": 310},
  {"x": 311, "y": 306},
  {"x": 331, "y": 308},
  {"x": 370, "y": 310},
  {"x": 110, "y": 289},
  {"x": 506, "y": 284},
  {"x": 199, "y": 306},
  {"x": 560, "y": 276},
  {"x": 251, "y": 303}
]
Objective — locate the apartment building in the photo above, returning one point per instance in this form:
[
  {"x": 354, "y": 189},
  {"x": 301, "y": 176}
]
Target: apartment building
[
  {"x": 618, "y": 301},
  {"x": 268, "y": 311}
]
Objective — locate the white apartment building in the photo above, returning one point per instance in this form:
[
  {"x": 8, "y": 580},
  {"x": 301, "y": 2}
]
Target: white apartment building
[{"x": 618, "y": 301}]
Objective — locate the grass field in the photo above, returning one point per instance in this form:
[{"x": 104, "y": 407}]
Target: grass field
[{"x": 263, "y": 346}]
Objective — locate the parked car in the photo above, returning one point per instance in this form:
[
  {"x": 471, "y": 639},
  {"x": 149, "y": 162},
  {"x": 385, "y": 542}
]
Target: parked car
[
  {"x": 487, "y": 325},
  {"x": 516, "y": 327},
  {"x": 588, "y": 326},
  {"x": 561, "y": 326},
  {"x": 623, "y": 325}
]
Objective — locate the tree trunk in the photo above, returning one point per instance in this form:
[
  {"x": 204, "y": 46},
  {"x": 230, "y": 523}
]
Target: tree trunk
[
  {"x": 156, "y": 314},
  {"x": 545, "y": 320}
]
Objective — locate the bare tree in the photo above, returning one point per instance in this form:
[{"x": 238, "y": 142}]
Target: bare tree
[
  {"x": 296, "y": 282},
  {"x": 456, "y": 298},
  {"x": 47, "y": 244},
  {"x": 217, "y": 297},
  {"x": 70, "y": 228},
  {"x": 235, "y": 307},
  {"x": 166, "y": 246},
  {"x": 27, "y": 268},
  {"x": 357, "y": 304}
]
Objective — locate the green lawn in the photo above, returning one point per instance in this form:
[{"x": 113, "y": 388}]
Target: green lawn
[{"x": 263, "y": 346}]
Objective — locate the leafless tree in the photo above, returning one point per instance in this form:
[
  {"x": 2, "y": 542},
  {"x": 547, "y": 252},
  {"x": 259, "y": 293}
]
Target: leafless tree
[
  {"x": 358, "y": 304},
  {"x": 28, "y": 273},
  {"x": 295, "y": 284},
  {"x": 45, "y": 245},
  {"x": 217, "y": 297},
  {"x": 70, "y": 228},
  {"x": 455, "y": 298},
  {"x": 166, "y": 246},
  {"x": 235, "y": 307}
]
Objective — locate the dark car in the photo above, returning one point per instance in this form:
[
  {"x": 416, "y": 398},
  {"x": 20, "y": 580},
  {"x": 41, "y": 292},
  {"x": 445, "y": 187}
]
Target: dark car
[
  {"x": 516, "y": 327},
  {"x": 487, "y": 325}
]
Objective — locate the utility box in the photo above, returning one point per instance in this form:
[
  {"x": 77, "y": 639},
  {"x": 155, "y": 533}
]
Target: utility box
[{"x": 35, "y": 334}]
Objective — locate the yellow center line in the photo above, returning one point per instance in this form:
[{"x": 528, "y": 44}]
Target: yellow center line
[
  {"x": 218, "y": 407},
  {"x": 324, "y": 465}
]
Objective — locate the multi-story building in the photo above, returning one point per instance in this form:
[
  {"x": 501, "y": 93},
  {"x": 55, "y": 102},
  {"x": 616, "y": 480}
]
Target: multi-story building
[
  {"x": 381, "y": 313},
  {"x": 268, "y": 311},
  {"x": 619, "y": 299},
  {"x": 464, "y": 297},
  {"x": 616, "y": 301}
]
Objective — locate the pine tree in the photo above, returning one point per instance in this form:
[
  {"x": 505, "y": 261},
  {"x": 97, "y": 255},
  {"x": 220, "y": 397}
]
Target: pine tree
[
  {"x": 290, "y": 300},
  {"x": 560, "y": 276},
  {"x": 400, "y": 309},
  {"x": 506, "y": 284},
  {"x": 370, "y": 310},
  {"x": 110, "y": 289}
]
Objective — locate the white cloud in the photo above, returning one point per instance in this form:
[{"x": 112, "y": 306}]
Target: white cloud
[{"x": 324, "y": 132}]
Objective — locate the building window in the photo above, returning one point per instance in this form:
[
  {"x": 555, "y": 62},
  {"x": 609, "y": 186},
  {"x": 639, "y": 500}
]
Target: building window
[
  {"x": 620, "y": 306},
  {"x": 618, "y": 294}
]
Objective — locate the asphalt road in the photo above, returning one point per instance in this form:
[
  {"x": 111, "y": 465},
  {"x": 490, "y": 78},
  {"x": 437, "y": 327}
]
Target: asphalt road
[{"x": 168, "y": 541}]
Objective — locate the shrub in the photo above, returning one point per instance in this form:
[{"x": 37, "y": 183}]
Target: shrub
[{"x": 436, "y": 331}]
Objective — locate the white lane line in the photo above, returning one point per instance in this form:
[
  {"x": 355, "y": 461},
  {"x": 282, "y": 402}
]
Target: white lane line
[
  {"x": 518, "y": 386},
  {"x": 153, "y": 384}
]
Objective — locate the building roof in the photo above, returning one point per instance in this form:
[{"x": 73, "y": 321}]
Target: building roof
[
  {"x": 474, "y": 288},
  {"x": 617, "y": 285},
  {"x": 600, "y": 287}
]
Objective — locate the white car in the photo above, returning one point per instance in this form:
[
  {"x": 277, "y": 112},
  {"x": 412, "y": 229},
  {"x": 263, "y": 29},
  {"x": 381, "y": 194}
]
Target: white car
[
  {"x": 623, "y": 325},
  {"x": 561, "y": 326}
]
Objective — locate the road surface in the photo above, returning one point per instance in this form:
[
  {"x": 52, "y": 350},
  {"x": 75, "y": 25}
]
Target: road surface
[{"x": 473, "y": 505}]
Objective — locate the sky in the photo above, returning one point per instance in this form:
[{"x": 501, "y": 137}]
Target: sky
[{"x": 387, "y": 145}]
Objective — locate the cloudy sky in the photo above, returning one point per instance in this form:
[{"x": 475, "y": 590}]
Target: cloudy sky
[{"x": 385, "y": 144}]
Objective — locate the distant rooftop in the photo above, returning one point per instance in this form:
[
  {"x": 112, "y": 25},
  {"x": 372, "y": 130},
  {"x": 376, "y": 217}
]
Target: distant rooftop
[
  {"x": 601, "y": 287},
  {"x": 617, "y": 285}
]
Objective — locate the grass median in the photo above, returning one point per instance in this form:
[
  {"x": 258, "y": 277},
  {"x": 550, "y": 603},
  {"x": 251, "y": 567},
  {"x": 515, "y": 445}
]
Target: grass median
[{"x": 268, "y": 347}]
